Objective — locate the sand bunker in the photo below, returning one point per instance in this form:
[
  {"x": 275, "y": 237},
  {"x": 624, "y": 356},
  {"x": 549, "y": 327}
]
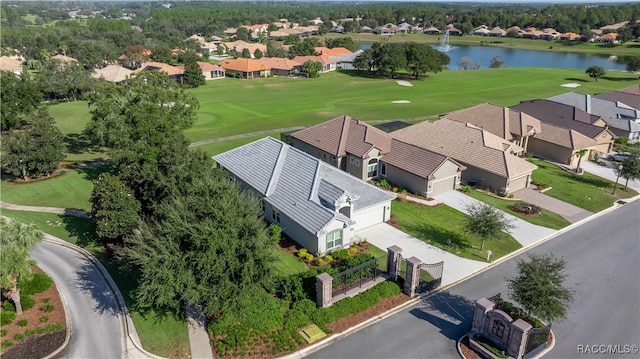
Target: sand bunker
[
  {"x": 572, "y": 85},
  {"x": 404, "y": 83},
  {"x": 401, "y": 101}
]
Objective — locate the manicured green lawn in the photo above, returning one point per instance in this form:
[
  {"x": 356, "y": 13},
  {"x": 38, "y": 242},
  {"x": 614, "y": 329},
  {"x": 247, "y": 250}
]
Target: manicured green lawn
[
  {"x": 587, "y": 191},
  {"x": 434, "y": 225},
  {"x": 160, "y": 333},
  {"x": 287, "y": 264},
  {"x": 232, "y": 106},
  {"x": 546, "y": 218},
  {"x": 71, "y": 190},
  {"x": 219, "y": 147}
]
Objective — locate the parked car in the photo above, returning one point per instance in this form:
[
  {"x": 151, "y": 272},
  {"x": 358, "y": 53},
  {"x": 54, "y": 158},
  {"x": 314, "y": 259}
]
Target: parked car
[{"x": 620, "y": 156}]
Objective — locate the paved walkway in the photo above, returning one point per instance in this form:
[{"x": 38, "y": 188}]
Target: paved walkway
[
  {"x": 65, "y": 211},
  {"x": 568, "y": 211},
  {"x": 608, "y": 172},
  {"x": 523, "y": 231}
]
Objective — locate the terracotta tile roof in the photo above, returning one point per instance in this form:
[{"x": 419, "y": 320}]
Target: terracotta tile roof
[
  {"x": 501, "y": 121},
  {"x": 279, "y": 63},
  {"x": 242, "y": 65},
  {"x": 610, "y": 36},
  {"x": 324, "y": 60},
  {"x": 159, "y": 66},
  {"x": 563, "y": 116},
  {"x": 414, "y": 159},
  {"x": 336, "y": 51},
  {"x": 343, "y": 135},
  {"x": 467, "y": 144},
  {"x": 204, "y": 67},
  {"x": 9, "y": 64},
  {"x": 112, "y": 73},
  {"x": 63, "y": 58}
]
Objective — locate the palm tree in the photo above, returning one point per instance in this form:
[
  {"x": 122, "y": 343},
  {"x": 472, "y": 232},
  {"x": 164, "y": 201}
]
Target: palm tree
[
  {"x": 16, "y": 240},
  {"x": 44, "y": 53},
  {"x": 580, "y": 154},
  {"x": 63, "y": 48}
]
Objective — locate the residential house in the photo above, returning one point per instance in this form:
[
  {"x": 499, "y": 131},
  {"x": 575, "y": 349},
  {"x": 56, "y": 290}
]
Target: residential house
[
  {"x": 9, "y": 64},
  {"x": 327, "y": 64},
  {"x": 572, "y": 118},
  {"x": 629, "y": 96},
  {"x": 531, "y": 33},
  {"x": 332, "y": 52},
  {"x": 481, "y": 30},
  {"x": 497, "y": 31},
  {"x": 367, "y": 153},
  {"x": 209, "y": 71},
  {"x": 431, "y": 30},
  {"x": 491, "y": 161},
  {"x": 367, "y": 30},
  {"x": 173, "y": 71},
  {"x": 538, "y": 138},
  {"x": 112, "y": 73},
  {"x": 383, "y": 30},
  {"x": 549, "y": 34},
  {"x": 317, "y": 205},
  {"x": 453, "y": 31},
  {"x": 345, "y": 61},
  {"x": 244, "y": 68},
  {"x": 610, "y": 38},
  {"x": 281, "y": 66},
  {"x": 64, "y": 59},
  {"x": 623, "y": 120},
  {"x": 570, "y": 36}
]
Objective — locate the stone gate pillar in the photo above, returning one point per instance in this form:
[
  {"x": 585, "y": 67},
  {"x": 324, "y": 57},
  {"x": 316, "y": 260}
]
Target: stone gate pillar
[
  {"x": 518, "y": 338},
  {"x": 393, "y": 261},
  {"x": 413, "y": 276},
  {"x": 324, "y": 290},
  {"x": 483, "y": 306}
]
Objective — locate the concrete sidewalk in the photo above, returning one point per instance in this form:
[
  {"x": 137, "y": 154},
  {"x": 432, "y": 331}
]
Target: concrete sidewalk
[
  {"x": 566, "y": 210},
  {"x": 609, "y": 172},
  {"x": 523, "y": 231}
]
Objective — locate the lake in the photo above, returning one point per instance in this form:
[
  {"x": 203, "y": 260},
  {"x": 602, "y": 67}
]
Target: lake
[{"x": 482, "y": 55}]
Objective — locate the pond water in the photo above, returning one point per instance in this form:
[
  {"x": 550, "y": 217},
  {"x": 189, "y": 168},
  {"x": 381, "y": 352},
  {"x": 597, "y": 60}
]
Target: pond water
[{"x": 482, "y": 55}]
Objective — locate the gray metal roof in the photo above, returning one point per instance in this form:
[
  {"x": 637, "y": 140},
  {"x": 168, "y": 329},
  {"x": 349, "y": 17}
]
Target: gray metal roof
[
  {"x": 615, "y": 113},
  {"x": 294, "y": 181}
]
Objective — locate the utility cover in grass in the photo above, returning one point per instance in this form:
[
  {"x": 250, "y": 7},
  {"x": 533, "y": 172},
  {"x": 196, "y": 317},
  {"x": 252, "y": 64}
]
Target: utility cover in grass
[{"x": 312, "y": 333}]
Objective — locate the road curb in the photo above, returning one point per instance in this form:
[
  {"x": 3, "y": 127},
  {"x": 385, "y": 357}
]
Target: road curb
[
  {"x": 69, "y": 330},
  {"x": 539, "y": 355},
  {"x": 131, "y": 337}
]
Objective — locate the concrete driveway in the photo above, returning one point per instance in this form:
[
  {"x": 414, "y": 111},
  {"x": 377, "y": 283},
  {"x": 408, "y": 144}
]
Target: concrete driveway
[
  {"x": 523, "y": 231},
  {"x": 608, "y": 172},
  {"x": 568, "y": 211}
]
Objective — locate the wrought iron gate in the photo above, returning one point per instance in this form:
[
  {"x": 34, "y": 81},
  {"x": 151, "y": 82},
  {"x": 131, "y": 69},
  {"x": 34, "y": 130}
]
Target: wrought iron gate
[{"x": 430, "y": 276}]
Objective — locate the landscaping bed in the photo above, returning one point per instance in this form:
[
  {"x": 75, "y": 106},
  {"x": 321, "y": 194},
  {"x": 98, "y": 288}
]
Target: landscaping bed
[{"x": 40, "y": 329}]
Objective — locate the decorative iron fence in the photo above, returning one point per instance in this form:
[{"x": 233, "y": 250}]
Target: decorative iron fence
[
  {"x": 402, "y": 270},
  {"x": 358, "y": 275},
  {"x": 496, "y": 298},
  {"x": 430, "y": 276},
  {"x": 537, "y": 337}
]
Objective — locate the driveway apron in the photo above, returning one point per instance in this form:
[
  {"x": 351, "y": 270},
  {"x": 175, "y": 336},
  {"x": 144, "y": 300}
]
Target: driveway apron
[
  {"x": 568, "y": 211},
  {"x": 608, "y": 171}
]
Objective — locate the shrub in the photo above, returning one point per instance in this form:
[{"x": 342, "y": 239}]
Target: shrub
[
  {"x": 39, "y": 283},
  {"x": 55, "y": 327},
  {"x": 302, "y": 253},
  {"x": 305, "y": 306},
  {"x": 19, "y": 337},
  {"x": 31, "y": 332},
  {"x": 27, "y": 302},
  {"x": 465, "y": 188},
  {"x": 7, "y": 317},
  {"x": 3, "y": 332},
  {"x": 290, "y": 288},
  {"x": 384, "y": 183},
  {"x": 47, "y": 308},
  {"x": 44, "y": 319},
  {"x": 46, "y": 300},
  {"x": 342, "y": 254},
  {"x": 6, "y": 344},
  {"x": 7, "y": 305},
  {"x": 328, "y": 258},
  {"x": 295, "y": 319},
  {"x": 22, "y": 322},
  {"x": 487, "y": 344},
  {"x": 352, "y": 250}
]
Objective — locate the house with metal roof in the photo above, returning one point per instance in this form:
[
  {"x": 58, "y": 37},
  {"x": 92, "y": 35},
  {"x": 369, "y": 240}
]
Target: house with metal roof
[
  {"x": 629, "y": 96},
  {"x": 572, "y": 118},
  {"x": 367, "y": 153},
  {"x": 537, "y": 138},
  {"x": 317, "y": 205},
  {"x": 491, "y": 161},
  {"x": 623, "y": 120}
]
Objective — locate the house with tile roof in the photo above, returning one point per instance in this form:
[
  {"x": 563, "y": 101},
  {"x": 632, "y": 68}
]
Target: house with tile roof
[
  {"x": 327, "y": 64},
  {"x": 317, "y": 205},
  {"x": 244, "y": 68},
  {"x": 432, "y": 30},
  {"x": 209, "y": 71},
  {"x": 497, "y": 31},
  {"x": 173, "y": 71},
  {"x": 367, "y": 153},
  {"x": 623, "y": 120},
  {"x": 609, "y": 38},
  {"x": 112, "y": 73},
  {"x": 571, "y": 118},
  {"x": 9, "y": 64},
  {"x": 491, "y": 161},
  {"x": 540, "y": 139},
  {"x": 281, "y": 66},
  {"x": 629, "y": 96}
]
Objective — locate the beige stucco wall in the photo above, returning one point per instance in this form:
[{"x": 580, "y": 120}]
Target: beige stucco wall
[
  {"x": 605, "y": 143},
  {"x": 450, "y": 173},
  {"x": 550, "y": 151},
  {"x": 484, "y": 178},
  {"x": 402, "y": 178}
]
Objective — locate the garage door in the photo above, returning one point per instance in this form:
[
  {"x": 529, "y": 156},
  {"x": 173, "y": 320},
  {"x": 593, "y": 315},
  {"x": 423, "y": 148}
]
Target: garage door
[
  {"x": 442, "y": 186},
  {"x": 368, "y": 217},
  {"x": 518, "y": 184}
]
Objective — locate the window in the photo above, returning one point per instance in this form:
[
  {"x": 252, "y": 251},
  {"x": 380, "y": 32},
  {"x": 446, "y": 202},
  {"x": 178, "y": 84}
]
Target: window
[
  {"x": 357, "y": 162},
  {"x": 351, "y": 160},
  {"x": 372, "y": 168},
  {"x": 275, "y": 214},
  {"x": 334, "y": 239},
  {"x": 383, "y": 169}
]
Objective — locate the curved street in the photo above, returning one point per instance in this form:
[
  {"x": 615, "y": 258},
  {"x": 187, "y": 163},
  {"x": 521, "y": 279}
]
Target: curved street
[{"x": 93, "y": 312}]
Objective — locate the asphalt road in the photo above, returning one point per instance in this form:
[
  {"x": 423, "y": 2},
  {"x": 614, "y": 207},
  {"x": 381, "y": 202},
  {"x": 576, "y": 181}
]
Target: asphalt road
[
  {"x": 603, "y": 263},
  {"x": 96, "y": 329}
]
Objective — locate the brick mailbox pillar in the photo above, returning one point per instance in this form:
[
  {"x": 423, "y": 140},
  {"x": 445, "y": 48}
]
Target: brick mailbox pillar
[
  {"x": 393, "y": 261},
  {"x": 324, "y": 290},
  {"x": 518, "y": 338},
  {"x": 413, "y": 276}
]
